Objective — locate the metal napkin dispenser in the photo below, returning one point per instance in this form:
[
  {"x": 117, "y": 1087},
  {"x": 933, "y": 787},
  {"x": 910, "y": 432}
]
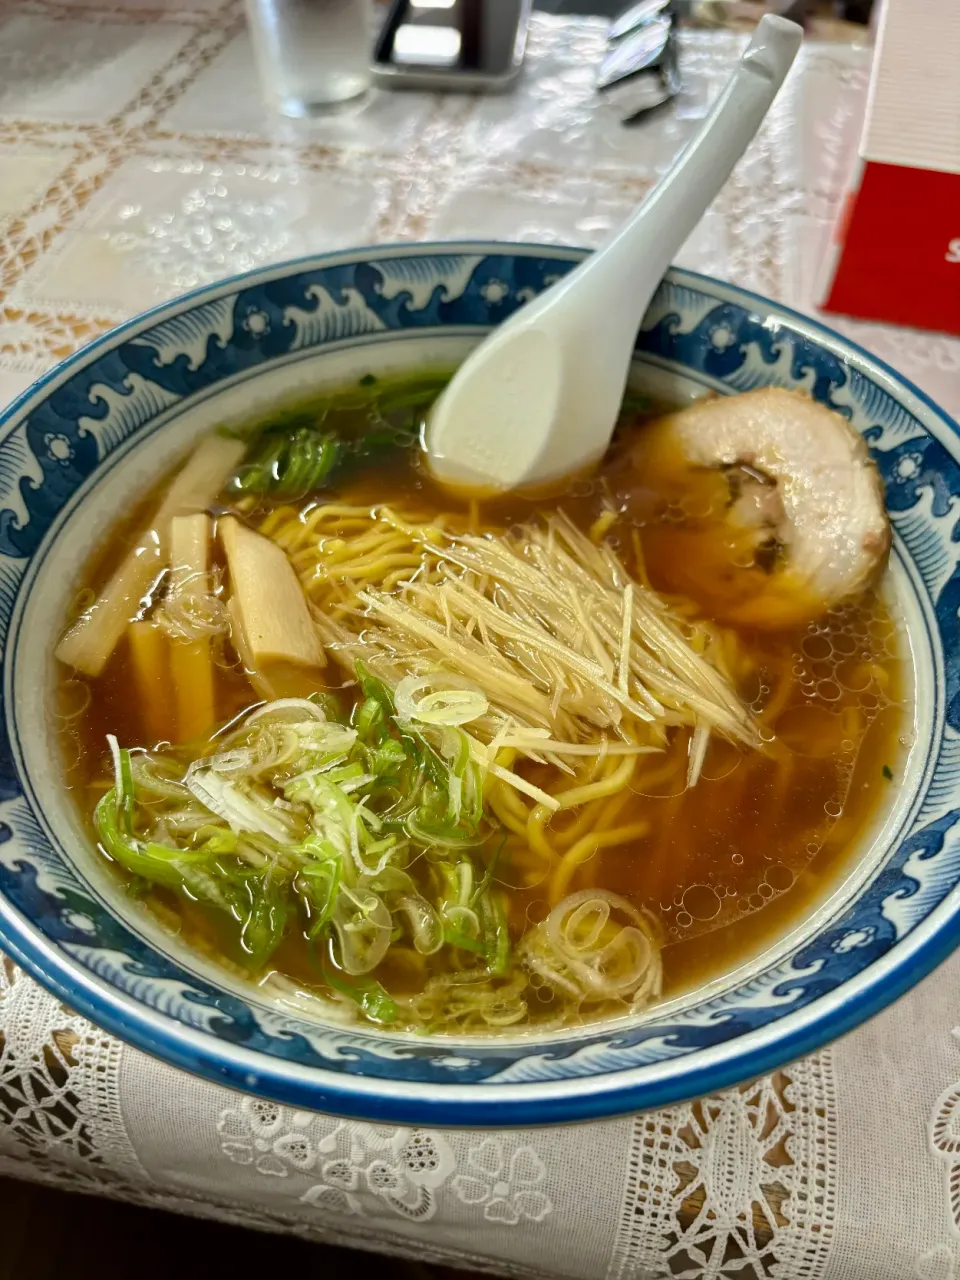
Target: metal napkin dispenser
[{"x": 640, "y": 69}]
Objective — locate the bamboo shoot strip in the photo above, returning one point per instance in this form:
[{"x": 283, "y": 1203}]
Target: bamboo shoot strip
[
  {"x": 268, "y": 599},
  {"x": 190, "y": 662},
  {"x": 149, "y": 652},
  {"x": 94, "y": 636}
]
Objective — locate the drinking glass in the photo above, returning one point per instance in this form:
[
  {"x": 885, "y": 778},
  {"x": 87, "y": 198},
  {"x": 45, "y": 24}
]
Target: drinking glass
[{"x": 311, "y": 54}]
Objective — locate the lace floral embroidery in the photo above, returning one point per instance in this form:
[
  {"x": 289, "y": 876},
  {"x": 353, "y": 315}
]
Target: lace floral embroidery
[
  {"x": 937, "y": 1264},
  {"x": 356, "y": 1169},
  {"x": 945, "y": 1142},
  {"x": 738, "y": 1186},
  {"x": 360, "y": 1170},
  {"x": 507, "y": 1189},
  {"x": 940, "y": 1263},
  {"x": 58, "y": 1084}
]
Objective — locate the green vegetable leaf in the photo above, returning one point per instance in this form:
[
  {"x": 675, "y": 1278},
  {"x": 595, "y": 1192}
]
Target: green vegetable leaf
[
  {"x": 372, "y": 997},
  {"x": 491, "y": 867},
  {"x": 288, "y": 466},
  {"x": 152, "y": 861},
  {"x": 319, "y": 882},
  {"x": 457, "y": 938},
  {"x": 375, "y": 689},
  {"x": 369, "y": 720},
  {"x": 217, "y": 840},
  {"x": 264, "y": 921},
  {"x": 496, "y": 936}
]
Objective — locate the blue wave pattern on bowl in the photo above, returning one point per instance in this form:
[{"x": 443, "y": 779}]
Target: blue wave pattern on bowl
[{"x": 705, "y": 330}]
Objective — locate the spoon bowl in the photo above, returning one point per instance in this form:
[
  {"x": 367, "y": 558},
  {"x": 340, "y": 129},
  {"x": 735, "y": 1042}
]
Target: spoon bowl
[{"x": 539, "y": 399}]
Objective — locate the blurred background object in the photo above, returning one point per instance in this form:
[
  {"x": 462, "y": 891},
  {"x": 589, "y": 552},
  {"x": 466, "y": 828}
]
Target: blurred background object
[
  {"x": 820, "y": 16},
  {"x": 464, "y": 45},
  {"x": 895, "y": 251},
  {"x": 743, "y": 14},
  {"x": 310, "y": 54},
  {"x": 823, "y": 19},
  {"x": 640, "y": 70},
  {"x": 315, "y": 54}
]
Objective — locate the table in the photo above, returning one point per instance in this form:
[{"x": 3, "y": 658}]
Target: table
[{"x": 137, "y": 161}]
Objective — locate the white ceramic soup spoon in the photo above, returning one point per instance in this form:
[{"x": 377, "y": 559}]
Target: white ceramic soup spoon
[{"x": 539, "y": 398}]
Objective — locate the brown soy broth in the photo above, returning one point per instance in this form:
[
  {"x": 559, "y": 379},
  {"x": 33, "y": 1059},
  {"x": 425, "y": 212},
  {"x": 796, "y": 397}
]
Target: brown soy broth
[
  {"x": 726, "y": 867},
  {"x": 696, "y": 958}
]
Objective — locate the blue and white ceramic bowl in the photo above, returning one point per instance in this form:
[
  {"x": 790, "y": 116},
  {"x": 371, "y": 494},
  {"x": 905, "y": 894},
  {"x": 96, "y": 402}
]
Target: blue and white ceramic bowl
[{"x": 103, "y": 424}]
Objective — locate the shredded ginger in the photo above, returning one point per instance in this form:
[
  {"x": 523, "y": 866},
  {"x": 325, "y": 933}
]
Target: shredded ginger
[{"x": 566, "y": 649}]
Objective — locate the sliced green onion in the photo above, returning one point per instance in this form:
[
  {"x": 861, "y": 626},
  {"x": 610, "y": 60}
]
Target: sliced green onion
[
  {"x": 265, "y": 921},
  {"x": 301, "y": 813},
  {"x": 491, "y": 867},
  {"x": 455, "y": 938},
  {"x": 372, "y": 998},
  {"x": 442, "y": 707},
  {"x": 496, "y": 936},
  {"x": 319, "y": 884},
  {"x": 452, "y": 707},
  {"x": 442, "y": 835},
  {"x": 376, "y": 689}
]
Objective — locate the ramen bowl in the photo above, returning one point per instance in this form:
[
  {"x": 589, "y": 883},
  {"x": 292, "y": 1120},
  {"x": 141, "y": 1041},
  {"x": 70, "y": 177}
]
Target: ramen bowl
[{"x": 99, "y": 428}]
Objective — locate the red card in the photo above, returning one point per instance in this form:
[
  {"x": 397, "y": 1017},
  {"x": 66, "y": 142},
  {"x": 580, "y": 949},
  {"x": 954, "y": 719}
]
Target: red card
[{"x": 895, "y": 253}]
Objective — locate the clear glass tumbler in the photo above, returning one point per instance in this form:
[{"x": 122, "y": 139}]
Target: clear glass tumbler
[{"x": 311, "y": 54}]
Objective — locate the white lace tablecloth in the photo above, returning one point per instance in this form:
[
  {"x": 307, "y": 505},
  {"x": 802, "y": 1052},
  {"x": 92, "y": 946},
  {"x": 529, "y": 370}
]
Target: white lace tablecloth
[{"x": 136, "y": 161}]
